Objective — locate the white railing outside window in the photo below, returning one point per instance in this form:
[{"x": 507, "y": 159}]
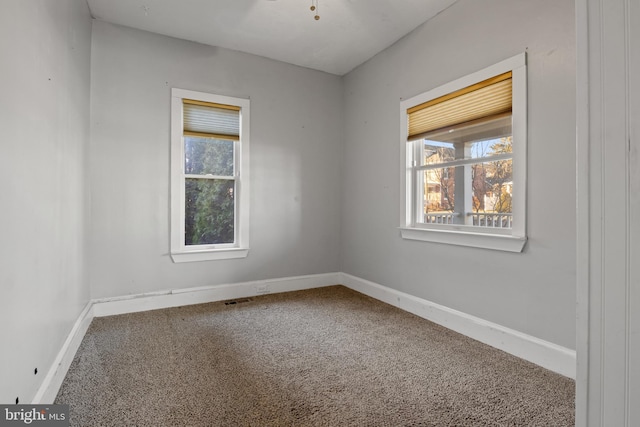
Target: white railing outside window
[
  {"x": 478, "y": 219},
  {"x": 495, "y": 220},
  {"x": 439, "y": 218},
  {"x": 464, "y": 178}
]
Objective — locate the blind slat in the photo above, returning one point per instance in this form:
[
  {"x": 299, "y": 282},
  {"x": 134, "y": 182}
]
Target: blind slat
[
  {"x": 206, "y": 119},
  {"x": 487, "y": 98}
]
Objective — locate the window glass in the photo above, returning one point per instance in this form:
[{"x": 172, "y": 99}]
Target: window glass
[
  {"x": 464, "y": 156},
  {"x": 491, "y": 193},
  {"x": 210, "y": 185},
  {"x": 209, "y": 211},
  {"x": 212, "y": 156},
  {"x": 485, "y": 186}
]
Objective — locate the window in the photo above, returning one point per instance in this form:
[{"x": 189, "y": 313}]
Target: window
[
  {"x": 209, "y": 176},
  {"x": 464, "y": 160}
]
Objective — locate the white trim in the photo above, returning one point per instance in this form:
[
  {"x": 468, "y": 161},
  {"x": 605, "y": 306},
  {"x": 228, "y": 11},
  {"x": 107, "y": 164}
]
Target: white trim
[
  {"x": 543, "y": 353},
  {"x": 410, "y": 193},
  {"x": 208, "y": 255},
  {"x": 476, "y": 239},
  {"x": 55, "y": 376},
  {"x": 582, "y": 213},
  {"x": 240, "y": 249},
  {"x": 50, "y": 386},
  {"x": 179, "y": 297},
  {"x": 540, "y": 352},
  {"x": 608, "y": 203}
]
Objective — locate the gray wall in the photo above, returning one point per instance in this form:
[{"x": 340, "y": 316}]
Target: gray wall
[
  {"x": 296, "y": 132},
  {"x": 325, "y": 170},
  {"x": 532, "y": 292},
  {"x": 44, "y": 122}
]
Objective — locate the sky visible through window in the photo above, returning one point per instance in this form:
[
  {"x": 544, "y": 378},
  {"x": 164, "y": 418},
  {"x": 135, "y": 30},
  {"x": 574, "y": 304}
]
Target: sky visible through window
[{"x": 482, "y": 148}]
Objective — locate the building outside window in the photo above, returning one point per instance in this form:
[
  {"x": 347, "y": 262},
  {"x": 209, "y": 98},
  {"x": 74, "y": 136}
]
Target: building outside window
[{"x": 464, "y": 146}]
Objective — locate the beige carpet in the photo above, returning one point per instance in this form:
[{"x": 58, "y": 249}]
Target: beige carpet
[{"x": 323, "y": 357}]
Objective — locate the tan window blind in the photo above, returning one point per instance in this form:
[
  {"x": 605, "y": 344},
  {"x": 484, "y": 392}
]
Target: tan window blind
[
  {"x": 485, "y": 99},
  {"x": 211, "y": 120}
]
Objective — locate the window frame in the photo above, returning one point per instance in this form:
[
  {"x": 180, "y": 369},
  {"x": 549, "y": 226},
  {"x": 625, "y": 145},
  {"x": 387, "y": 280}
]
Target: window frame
[
  {"x": 240, "y": 248},
  {"x": 511, "y": 240}
]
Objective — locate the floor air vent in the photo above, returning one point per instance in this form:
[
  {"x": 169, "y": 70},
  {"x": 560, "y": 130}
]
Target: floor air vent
[{"x": 237, "y": 301}]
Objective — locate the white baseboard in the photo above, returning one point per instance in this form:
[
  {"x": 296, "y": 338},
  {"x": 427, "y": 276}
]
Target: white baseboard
[
  {"x": 179, "y": 297},
  {"x": 58, "y": 370},
  {"x": 543, "y": 353},
  {"x": 164, "y": 299},
  {"x": 540, "y": 352}
]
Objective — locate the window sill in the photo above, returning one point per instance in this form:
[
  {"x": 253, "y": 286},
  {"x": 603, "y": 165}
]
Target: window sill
[
  {"x": 496, "y": 242},
  {"x": 209, "y": 255}
]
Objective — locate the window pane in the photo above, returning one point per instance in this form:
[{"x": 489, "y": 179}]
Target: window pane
[
  {"x": 483, "y": 138},
  {"x": 478, "y": 130},
  {"x": 439, "y": 195},
  {"x": 435, "y": 152},
  {"x": 209, "y": 211},
  {"x": 493, "y": 186},
  {"x": 490, "y": 147},
  {"x": 479, "y": 194},
  {"x": 204, "y": 156}
]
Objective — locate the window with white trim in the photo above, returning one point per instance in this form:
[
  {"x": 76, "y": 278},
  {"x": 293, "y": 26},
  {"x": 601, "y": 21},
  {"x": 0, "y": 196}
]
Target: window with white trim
[
  {"x": 209, "y": 176},
  {"x": 464, "y": 160}
]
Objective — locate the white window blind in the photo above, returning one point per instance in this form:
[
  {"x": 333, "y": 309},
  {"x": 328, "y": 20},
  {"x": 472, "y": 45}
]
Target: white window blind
[{"x": 211, "y": 120}]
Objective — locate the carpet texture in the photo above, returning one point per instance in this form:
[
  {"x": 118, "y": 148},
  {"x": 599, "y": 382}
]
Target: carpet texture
[{"x": 322, "y": 357}]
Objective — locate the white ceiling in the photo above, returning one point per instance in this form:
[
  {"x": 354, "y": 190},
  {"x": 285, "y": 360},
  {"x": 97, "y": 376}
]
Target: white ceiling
[{"x": 348, "y": 33}]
